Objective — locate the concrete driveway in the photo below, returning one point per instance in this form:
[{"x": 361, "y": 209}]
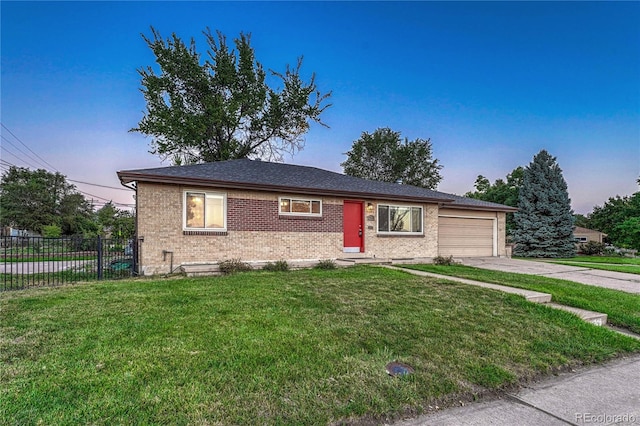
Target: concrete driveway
[{"x": 629, "y": 283}]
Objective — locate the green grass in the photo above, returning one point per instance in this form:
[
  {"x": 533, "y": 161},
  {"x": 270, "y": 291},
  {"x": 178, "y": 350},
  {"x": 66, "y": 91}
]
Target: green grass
[
  {"x": 627, "y": 269},
  {"x": 622, "y": 309},
  {"x": 616, "y": 264},
  {"x": 305, "y": 347},
  {"x": 605, "y": 259},
  {"x": 10, "y": 282}
]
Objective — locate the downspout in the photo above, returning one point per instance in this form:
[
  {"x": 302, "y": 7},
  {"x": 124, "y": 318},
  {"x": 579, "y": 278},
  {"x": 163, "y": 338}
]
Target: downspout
[
  {"x": 137, "y": 239},
  {"x": 164, "y": 259}
]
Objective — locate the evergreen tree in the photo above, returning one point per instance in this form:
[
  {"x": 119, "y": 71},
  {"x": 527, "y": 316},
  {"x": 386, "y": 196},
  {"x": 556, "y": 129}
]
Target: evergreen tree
[{"x": 544, "y": 222}]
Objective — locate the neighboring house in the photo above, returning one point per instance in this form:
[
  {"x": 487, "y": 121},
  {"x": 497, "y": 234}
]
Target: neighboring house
[
  {"x": 7, "y": 231},
  {"x": 584, "y": 235},
  {"x": 261, "y": 211}
]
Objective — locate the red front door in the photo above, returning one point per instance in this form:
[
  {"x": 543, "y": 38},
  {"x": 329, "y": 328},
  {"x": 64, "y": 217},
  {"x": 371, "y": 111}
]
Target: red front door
[{"x": 353, "y": 217}]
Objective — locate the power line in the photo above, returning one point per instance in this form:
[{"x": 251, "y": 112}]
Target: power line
[
  {"x": 18, "y": 139},
  {"x": 19, "y": 150},
  {"x": 8, "y": 151},
  {"x": 105, "y": 200},
  {"x": 43, "y": 161},
  {"x": 102, "y": 186}
]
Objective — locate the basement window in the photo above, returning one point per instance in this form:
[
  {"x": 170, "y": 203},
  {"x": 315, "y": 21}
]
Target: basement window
[
  {"x": 205, "y": 211},
  {"x": 300, "y": 206}
]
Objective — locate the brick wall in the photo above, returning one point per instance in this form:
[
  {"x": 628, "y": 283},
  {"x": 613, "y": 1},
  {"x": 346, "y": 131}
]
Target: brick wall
[
  {"x": 257, "y": 232},
  {"x": 397, "y": 246},
  {"x": 245, "y": 214}
]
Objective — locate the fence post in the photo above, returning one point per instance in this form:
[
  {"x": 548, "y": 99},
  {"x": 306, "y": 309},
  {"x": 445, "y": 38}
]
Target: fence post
[
  {"x": 100, "y": 256},
  {"x": 135, "y": 242}
]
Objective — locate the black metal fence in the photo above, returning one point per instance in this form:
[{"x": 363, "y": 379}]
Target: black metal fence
[{"x": 34, "y": 261}]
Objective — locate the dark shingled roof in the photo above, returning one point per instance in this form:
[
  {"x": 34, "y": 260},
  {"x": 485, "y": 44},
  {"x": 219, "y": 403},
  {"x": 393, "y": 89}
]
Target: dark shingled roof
[{"x": 266, "y": 176}]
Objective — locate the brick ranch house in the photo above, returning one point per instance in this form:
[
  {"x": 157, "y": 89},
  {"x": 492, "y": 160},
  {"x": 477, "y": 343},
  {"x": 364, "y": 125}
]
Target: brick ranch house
[
  {"x": 260, "y": 211},
  {"x": 584, "y": 235}
]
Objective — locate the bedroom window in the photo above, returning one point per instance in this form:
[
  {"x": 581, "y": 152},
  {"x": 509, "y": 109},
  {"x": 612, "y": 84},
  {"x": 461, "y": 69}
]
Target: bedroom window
[
  {"x": 205, "y": 211},
  {"x": 399, "y": 219},
  {"x": 300, "y": 206}
]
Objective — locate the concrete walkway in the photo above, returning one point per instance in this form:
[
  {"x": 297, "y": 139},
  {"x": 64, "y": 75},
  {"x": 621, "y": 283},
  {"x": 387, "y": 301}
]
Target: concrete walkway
[
  {"x": 595, "y": 318},
  {"x": 629, "y": 283},
  {"x": 603, "y": 395}
]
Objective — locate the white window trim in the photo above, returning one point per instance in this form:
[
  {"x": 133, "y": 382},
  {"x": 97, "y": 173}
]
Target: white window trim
[
  {"x": 281, "y": 213},
  {"x": 421, "y": 232},
  {"x": 200, "y": 191}
]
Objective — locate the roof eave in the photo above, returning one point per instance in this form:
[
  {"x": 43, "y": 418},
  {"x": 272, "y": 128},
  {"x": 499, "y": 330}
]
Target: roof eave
[
  {"x": 505, "y": 209},
  {"x": 128, "y": 177}
]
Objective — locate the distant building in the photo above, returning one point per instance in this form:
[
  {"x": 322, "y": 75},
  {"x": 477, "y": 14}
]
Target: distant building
[
  {"x": 584, "y": 235},
  {"x": 7, "y": 231}
]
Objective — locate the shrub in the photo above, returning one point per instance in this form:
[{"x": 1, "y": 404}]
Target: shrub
[
  {"x": 51, "y": 231},
  {"x": 116, "y": 248},
  {"x": 592, "y": 248},
  {"x": 446, "y": 261},
  {"x": 326, "y": 264},
  {"x": 232, "y": 266},
  {"x": 279, "y": 266}
]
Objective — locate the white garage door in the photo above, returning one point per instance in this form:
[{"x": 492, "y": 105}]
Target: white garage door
[{"x": 465, "y": 237}]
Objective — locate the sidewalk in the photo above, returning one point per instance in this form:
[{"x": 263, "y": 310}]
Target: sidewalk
[{"x": 601, "y": 395}]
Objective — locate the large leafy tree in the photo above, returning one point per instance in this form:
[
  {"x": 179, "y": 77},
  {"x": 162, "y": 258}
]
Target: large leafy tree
[
  {"x": 115, "y": 222},
  {"x": 221, "y": 107},
  {"x": 628, "y": 233},
  {"x": 618, "y": 218},
  {"x": 35, "y": 199},
  {"x": 384, "y": 156},
  {"x": 544, "y": 222},
  {"x": 501, "y": 192}
]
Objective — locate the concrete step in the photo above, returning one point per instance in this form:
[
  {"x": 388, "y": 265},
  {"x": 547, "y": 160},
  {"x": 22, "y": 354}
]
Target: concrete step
[
  {"x": 623, "y": 331},
  {"x": 364, "y": 260},
  {"x": 595, "y": 318}
]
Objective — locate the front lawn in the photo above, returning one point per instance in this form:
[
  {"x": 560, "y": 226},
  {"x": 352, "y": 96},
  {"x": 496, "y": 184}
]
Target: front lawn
[
  {"x": 614, "y": 260},
  {"x": 627, "y": 269},
  {"x": 304, "y": 347},
  {"x": 623, "y": 309},
  {"x": 616, "y": 264}
]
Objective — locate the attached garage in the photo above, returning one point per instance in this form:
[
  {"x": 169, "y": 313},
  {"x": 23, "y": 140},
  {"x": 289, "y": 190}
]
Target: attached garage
[{"x": 461, "y": 236}]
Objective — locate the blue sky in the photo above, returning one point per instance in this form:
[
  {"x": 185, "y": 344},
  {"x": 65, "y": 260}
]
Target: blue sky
[{"x": 490, "y": 83}]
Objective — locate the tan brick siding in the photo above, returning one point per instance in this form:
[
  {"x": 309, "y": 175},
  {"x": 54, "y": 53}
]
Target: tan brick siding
[
  {"x": 256, "y": 232},
  {"x": 387, "y": 246}
]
